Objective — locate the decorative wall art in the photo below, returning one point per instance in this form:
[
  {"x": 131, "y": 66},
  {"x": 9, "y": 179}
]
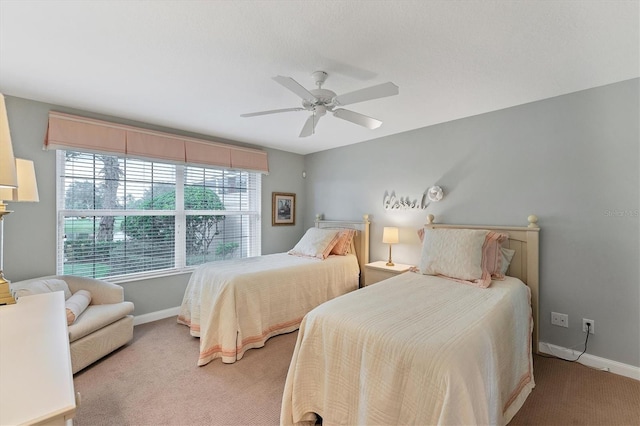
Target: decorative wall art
[
  {"x": 435, "y": 193},
  {"x": 283, "y": 208},
  {"x": 392, "y": 202}
]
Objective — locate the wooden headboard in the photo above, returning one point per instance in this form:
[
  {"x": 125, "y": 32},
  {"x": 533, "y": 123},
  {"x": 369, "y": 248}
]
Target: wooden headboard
[
  {"x": 525, "y": 263},
  {"x": 360, "y": 240}
]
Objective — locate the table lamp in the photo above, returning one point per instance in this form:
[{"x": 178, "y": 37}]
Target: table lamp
[
  {"x": 8, "y": 176},
  {"x": 27, "y": 190},
  {"x": 390, "y": 236}
]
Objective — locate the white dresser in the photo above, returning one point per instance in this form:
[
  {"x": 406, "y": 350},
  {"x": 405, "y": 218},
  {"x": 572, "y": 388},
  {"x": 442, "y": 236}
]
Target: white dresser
[{"x": 36, "y": 383}]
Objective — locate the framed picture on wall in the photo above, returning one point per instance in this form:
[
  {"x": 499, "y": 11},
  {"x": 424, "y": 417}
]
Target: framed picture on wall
[{"x": 283, "y": 208}]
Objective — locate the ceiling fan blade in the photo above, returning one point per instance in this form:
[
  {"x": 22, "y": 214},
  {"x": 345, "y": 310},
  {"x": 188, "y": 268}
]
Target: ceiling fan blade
[
  {"x": 296, "y": 88},
  {"x": 273, "y": 111},
  {"x": 310, "y": 126},
  {"x": 373, "y": 92},
  {"x": 357, "y": 118}
]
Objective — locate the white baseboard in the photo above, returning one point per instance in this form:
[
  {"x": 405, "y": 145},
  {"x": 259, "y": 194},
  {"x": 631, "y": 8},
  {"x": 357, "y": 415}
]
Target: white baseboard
[
  {"x": 591, "y": 360},
  {"x": 155, "y": 316},
  {"x": 546, "y": 348}
]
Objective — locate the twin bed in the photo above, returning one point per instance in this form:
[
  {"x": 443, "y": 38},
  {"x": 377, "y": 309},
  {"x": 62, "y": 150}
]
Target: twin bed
[
  {"x": 237, "y": 305},
  {"x": 421, "y": 349},
  {"x": 417, "y": 348}
]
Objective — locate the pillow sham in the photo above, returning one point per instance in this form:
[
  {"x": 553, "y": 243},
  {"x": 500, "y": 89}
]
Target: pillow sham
[
  {"x": 344, "y": 242},
  {"x": 507, "y": 256},
  {"x": 316, "y": 242},
  {"x": 44, "y": 286},
  {"x": 492, "y": 254},
  {"x": 455, "y": 253},
  {"x": 76, "y": 304}
]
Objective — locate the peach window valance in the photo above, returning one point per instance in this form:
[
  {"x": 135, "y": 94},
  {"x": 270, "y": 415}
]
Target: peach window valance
[{"x": 67, "y": 131}]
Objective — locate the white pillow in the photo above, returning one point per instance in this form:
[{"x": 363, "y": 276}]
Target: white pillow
[
  {"x": 76, "y": 305},
  {"x": 43, "y": 286},
  {"x": 316, "y": 242},
  {"x": 455, "y": 253},
  {"x": 507, "y": 255}
]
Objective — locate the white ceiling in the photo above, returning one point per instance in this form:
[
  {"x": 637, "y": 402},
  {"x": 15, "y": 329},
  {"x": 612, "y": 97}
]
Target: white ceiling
[{"x": 198, "y": 65}]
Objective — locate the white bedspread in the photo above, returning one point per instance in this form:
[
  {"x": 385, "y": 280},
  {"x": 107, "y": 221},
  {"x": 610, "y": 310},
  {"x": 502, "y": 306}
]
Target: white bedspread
[
  {"x": 414, "y": 349},
  {"x": 239, "y": 304}
]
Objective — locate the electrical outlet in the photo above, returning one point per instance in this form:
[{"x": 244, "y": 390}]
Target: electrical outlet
[
  {"x": 592, "y": 326},
  {"x": 560, "y": 319}
]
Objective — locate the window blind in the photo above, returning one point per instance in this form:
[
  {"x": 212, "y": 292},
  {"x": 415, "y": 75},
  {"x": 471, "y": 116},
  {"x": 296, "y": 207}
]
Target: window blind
[{"x": 120, "y": 216}]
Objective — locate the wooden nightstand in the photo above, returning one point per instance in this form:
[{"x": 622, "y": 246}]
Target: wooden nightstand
[{"x": 378, "y": 271}]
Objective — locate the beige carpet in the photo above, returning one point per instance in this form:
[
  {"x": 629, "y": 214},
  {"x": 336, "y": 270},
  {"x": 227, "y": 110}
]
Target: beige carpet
[
  {"x": 155, "y": 381},
  {"x": 573, "y": 394}
]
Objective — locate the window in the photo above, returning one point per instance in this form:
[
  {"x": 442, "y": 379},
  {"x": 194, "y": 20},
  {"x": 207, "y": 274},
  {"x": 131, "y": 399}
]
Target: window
[{"x": 120, "y": 216}]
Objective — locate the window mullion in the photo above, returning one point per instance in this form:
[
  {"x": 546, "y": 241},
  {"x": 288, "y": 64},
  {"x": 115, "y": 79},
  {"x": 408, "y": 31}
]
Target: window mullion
[
  {"x": 180, "y": 237},
  {"x": 60, "y": 193}
]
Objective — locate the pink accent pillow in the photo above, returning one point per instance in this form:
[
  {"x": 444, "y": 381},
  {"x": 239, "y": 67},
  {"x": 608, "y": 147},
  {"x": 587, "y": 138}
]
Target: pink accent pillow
[
  {"x": 344, "y": 242},
  {"x": 492, "y": 254}
]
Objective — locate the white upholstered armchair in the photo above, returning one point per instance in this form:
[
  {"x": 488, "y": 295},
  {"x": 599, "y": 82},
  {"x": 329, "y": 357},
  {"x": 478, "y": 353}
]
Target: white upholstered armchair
[{"x": 103, "y": 326}]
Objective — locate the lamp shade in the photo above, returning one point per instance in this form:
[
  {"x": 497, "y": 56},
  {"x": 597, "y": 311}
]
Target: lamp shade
[
  {"x": 390, "y": 235},
  {"x": 8, "y": 176},
  {"x": 27, "y": 189}
]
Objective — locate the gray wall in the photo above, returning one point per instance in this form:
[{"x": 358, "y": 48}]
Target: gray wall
[
  {"x": 572, "y": 160},
  {"x": 569, "y": 160},
  {"x": 30, "y": 232}
]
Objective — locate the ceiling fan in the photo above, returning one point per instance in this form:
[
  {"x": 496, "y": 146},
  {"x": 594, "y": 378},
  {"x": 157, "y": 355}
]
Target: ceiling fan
[{"x": 319, "y": 101}]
